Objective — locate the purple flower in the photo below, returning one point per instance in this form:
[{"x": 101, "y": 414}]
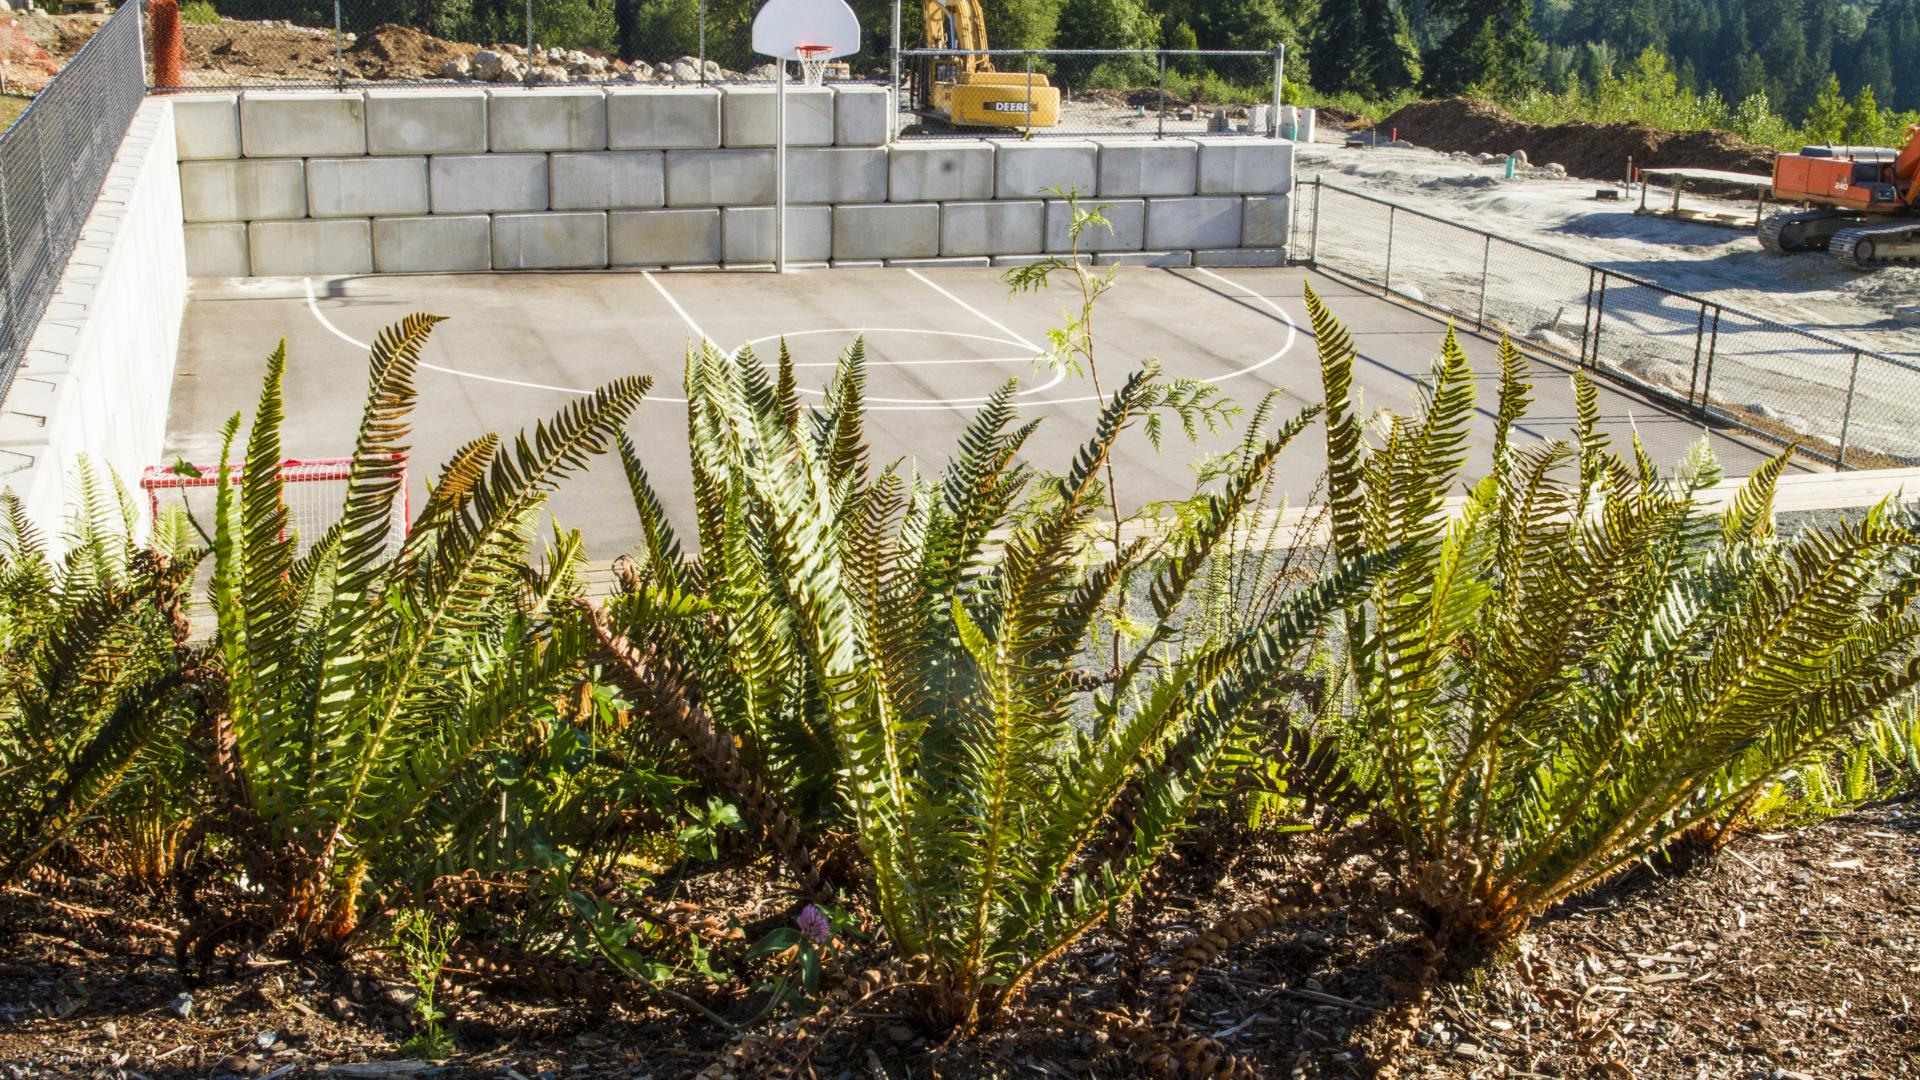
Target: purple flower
[{"x": 813, "y": 923}]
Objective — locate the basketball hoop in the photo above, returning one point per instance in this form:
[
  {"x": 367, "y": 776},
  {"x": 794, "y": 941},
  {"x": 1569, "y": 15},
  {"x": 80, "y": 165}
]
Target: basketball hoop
[{"x": 813, "y": 63}]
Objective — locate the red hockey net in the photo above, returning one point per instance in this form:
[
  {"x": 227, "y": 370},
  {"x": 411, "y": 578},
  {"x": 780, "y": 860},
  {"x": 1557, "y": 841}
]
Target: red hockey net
[{"x": 315, "y": 490}]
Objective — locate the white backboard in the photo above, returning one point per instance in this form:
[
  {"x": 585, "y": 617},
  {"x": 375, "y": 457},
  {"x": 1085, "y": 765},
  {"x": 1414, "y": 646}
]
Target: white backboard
[{"x": 783, "y": 24}]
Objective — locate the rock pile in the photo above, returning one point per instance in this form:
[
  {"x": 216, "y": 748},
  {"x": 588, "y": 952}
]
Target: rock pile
[{"x": 513, "y": 64}]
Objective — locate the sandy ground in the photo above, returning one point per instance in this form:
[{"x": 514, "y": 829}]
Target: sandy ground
[
  {"x": 1759, "y": 376},
  {"x": 1722, "y": 264}
]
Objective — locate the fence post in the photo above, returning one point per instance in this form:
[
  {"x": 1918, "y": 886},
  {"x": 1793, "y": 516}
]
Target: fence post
[
  {"x": 339, "y": 47},
  {"x": 1699, "y": 344},
  {"x": 893, "y": 91},
  {"x": 1386, "y": 286},
  {"x": 1586, "y": 319},
  {"x": 1279, "y": 84},
  {"x": 1599, "y": 316},
  {"x": 1029, "y": 96},
  {"x": 529, "y": 40},
  {"x": 1160, "y": 128},
  {"x": 1486, "y": 268},
  {"x": 703, "y": 37},
  {"x": 1846, "y": 412},
  {"x": 1313, "y": 249}
]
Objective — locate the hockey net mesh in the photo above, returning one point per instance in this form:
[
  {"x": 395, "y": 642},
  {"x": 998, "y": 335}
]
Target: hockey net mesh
[{"x": 314, "y": 490}]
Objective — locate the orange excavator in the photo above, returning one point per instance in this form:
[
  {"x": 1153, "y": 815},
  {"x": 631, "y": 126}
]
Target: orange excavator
[{"x": 1868, "y": 198}]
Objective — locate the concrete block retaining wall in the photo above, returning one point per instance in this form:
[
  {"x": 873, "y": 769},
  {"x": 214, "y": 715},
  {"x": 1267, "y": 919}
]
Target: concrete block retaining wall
[
  {"x": 98, "y": 370},
  {"x": 454, "y": 180}
]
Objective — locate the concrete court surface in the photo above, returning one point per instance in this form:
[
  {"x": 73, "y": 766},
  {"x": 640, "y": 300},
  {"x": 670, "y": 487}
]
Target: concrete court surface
[{"x": 517, "y": 347}]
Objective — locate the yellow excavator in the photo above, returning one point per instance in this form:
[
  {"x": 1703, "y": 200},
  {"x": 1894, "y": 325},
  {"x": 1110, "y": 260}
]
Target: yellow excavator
[{"x": 966, "y": 91}]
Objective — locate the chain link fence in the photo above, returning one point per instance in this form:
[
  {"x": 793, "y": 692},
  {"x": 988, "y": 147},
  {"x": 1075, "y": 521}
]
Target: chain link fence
[
  {"x": 53, "y": 161},
  {"x": 1078, "y": 92},
  {"x": 1842, "y": 403},
  {"x": 236, "y": 44}
]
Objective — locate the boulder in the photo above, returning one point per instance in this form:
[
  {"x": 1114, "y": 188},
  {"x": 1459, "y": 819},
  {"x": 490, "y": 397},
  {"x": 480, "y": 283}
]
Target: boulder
[
  {"x": 713, "y": 71},
  {"x": 486, "y": 65},
  {"x": 686, "y": 70},
  {"x": 460, "y": 67},
  {"x": 640, "y": 71},
  {"x": 548, "y": 73}
]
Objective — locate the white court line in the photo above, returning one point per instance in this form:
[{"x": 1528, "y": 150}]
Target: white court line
[
  {"x": 876, "y": 404},
  {"x": 990, "y": 320},
  {"x": 682, "y": 312},
  {"x": 313, "y": 305}
]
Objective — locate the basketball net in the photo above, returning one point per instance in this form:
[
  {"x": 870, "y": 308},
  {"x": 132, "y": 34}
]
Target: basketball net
[{"x": 813, "y": 63}]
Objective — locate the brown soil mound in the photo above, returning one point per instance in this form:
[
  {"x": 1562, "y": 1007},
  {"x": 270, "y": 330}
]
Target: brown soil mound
[
  {"x": 401, "y": 52},
  {"x": 1343, "y": 118},
  {"x": 1593, "y": 151}
]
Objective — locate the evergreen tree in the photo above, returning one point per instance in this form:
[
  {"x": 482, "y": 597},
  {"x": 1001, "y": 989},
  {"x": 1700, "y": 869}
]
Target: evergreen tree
[
  {"x": 1827, "y": 118},
  {"x": 1491, "y": 47},
  {"x": 1364, "y": 47}
]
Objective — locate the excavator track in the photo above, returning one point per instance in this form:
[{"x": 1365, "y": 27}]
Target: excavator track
[
  {"x": 1873, "y": 247},
  {"x": 1784, "y": 234}
]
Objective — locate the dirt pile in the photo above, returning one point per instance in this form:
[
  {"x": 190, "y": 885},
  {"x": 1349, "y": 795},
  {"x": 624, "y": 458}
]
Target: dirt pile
[
  {"x": 1593, "y": 151},
  {"x": 401, "y": 52}
]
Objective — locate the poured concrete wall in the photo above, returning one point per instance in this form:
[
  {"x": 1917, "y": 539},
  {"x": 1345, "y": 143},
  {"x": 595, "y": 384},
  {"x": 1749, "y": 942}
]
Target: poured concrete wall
[
  {"x": 452, "y": 180},
  {"x": 99, "y": 368}
]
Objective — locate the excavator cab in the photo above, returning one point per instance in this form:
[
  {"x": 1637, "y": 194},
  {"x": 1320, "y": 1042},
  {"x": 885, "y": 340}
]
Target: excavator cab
[
  {"x": 1867, "y": 204},
  {"x": 965, "y": 90}
]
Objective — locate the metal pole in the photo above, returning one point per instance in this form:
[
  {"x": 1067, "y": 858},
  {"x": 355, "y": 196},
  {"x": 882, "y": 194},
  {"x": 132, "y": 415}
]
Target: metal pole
[
  {"x": 1279, "y": 84},
  {"x": 1486, "y": 267},
  {"x": 1029, "y": 95},
  {"x": 339, "y": 48},
  {"x": 140, "y": 42},
  {"x": 780, "y": 165},
  {"x": 1387, "y": 285},
  {"x": 1586, "y": 319},
  {"x": 529, "y": 39},
  {"x": 703, "y": 42},
  {"x": 1313, "y": 248},
  {"x": 1599, "y": 316},
  {"x": 1699, "y": 345},
  {"x": 893, "y": 95},
  {"x": 1160, "y": 129},
  {"x": 1846, "y": 413}
]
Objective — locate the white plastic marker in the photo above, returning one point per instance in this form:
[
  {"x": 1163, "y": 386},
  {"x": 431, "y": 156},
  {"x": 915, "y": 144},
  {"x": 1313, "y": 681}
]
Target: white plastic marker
[{"x": 812, "y": 32}]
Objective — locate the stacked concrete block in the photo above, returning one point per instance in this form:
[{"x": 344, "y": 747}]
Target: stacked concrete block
[
  {"x": 432, "y": 245},
  {"x": 1201, "y": 222},
  {"x": 295, "y": 248},
  {"x": 1241, "y": 166},
  {"x": 524, "y": 121},
  {"x": 886, "y": 231},
  {"x": 749, "y": 115},
  {"x": 665, "y": 238},
  {"x": 569, "y": 241},
  {"x": 243, "y": 190},
  {"x": 991, "y": 228},
  {"x": 439, "y": 121},
  {"x": 611, "y": 180},
  {"x": 938, "y": 171},
  {"x": 747, "y": 234},
  {"x": 857, "y": 175},
  {"x": 217, "y": 250},
  {"x": 206, "y": 126},
  {"x": 1266, "y": 221},
  {"x": 861, "y": 115},
  {"x": 1038, "y": 170},
  {"x": 302, "y": 124},
  {"x": 471, "y": 179},
  {"x": 676, "y": 118},
  {"x": 719, "y": 177},
  {"x": 1147, "y": 167},
  {"x": 488, "y": 183},
  {"x": 366, "y": 186},
  {"x": 1126, "y": 228}
]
